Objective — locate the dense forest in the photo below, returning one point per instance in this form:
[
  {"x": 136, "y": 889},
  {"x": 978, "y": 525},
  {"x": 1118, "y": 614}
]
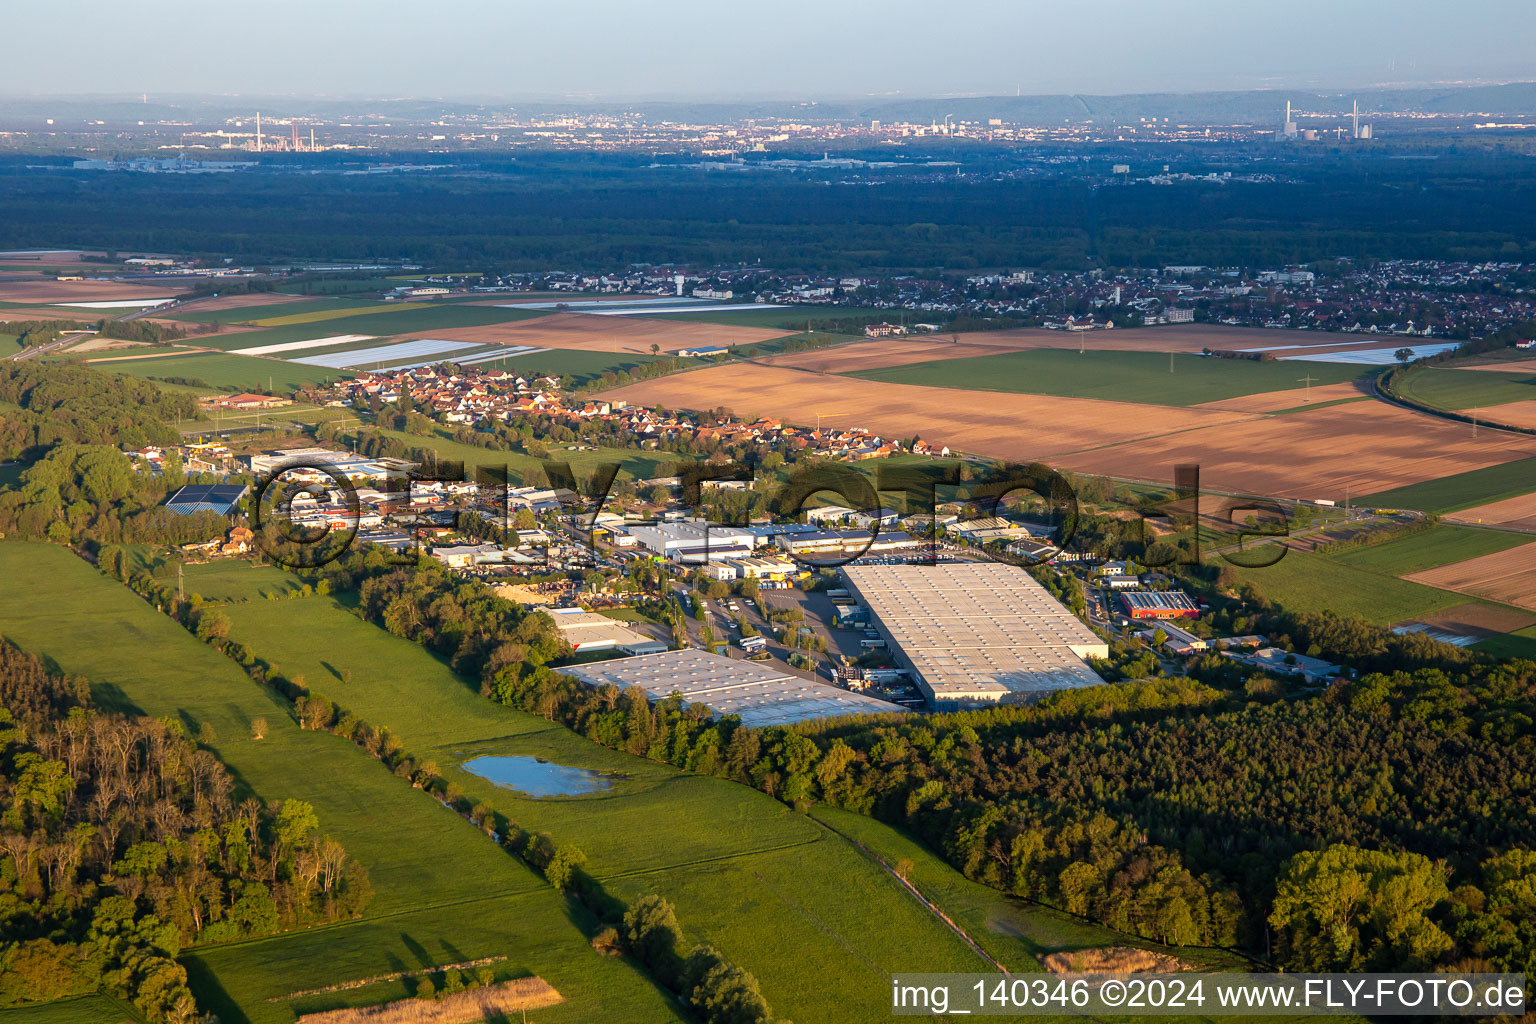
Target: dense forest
[
  {"x": 544, "y": 211},
  {"x": 125, "y": 840}
]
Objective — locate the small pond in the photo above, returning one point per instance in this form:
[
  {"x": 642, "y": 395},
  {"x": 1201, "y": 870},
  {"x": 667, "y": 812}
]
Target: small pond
[{"x": 538, "y": 777}]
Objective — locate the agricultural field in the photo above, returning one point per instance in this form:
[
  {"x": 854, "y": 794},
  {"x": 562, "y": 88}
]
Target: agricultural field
[
  {"x": 1332, "y": 450},
  {"x": 819, "y": 923},
  {"x": 1440, "y": 545},
  {"x": 443, "y": 892},
  {"x": 46, "y": 291},
  {"x": 383, "y": 321},
  {"x": 1317, "y": 583},
  {"x": 1143, "y": 377},
  {"x": 1508, "y": 577},
  {"x": 221, "y": 370},
  {"x": 1462, "y": 390},
  {"x": 785, "y": 318},
  {"x": 237, "y": 309},
  {"x": 1005, "y": 426},
  {"x": 577, "y": 367},
  {"x": 595, "y": 333},
  {"x": 1390, "y": 583},
  {"x": 1465, "y": 490}
]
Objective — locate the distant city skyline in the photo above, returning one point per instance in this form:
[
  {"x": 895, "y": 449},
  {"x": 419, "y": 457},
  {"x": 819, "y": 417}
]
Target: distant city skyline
[{"x": 690, "y": 50}]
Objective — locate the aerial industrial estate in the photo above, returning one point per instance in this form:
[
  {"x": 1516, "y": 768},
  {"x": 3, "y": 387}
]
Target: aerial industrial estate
[{"x": 692, "y": 560}]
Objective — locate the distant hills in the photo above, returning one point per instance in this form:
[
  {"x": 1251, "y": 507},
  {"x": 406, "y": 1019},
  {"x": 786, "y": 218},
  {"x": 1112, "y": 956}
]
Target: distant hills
[{"x": 1214, "y": 108}]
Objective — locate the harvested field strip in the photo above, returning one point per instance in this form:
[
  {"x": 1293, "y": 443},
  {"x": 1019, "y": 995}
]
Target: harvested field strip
[
  {"x": 1299, "y": 398},
  {"x": 294, "y": 346},
  {"x": 1512, "y": 414},
  {"x": 490, "y": 1003},
  {"x": 1515, "y": 513},
  {"x": 1508, "y": 577},
  {"x": 312, "y": 316},
  {"x": 603, "y": 333}
]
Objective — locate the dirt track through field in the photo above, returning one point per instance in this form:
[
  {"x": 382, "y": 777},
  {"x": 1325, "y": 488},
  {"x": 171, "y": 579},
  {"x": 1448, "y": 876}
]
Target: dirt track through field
[
  {"x": 1508, "y": 577},
  {"x": 593, "y": 333}
]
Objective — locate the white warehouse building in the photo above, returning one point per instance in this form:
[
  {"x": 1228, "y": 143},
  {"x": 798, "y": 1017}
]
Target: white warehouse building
[{"x": 976, "y": 633}]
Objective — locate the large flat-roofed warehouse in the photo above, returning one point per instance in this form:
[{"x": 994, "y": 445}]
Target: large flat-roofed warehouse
[
  {"x": 759, "y": 694},
  {"x": 976, "y": 632}
]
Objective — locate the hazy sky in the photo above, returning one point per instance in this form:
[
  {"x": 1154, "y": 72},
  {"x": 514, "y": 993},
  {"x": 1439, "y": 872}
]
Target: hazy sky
[{"x": 780, "y": 49}]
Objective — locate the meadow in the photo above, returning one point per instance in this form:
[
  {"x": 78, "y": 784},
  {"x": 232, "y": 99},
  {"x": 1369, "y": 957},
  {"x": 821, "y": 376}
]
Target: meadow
[
  {"x": 1461, "y": 490},
  {"x": 1459, "y": 390},
  {"x": 444, "y": 893},
  {"x": 221, "y": 370},
  {"x": 1114, "y": 375},
  {"x": 1365, "y": 581},
  {"x": 819, "y": 923}
]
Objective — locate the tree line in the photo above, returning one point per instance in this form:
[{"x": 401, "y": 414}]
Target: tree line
[{"x": 123, "y": 843}]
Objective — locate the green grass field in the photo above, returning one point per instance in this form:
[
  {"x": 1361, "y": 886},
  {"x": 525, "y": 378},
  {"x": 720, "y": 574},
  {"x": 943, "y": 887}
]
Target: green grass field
[
  {"x": 1435, "y": 547},
  {"x": 243, "y": 314},
  {"x": 81, "y": 1010},
  {"x": 1462, "y": 390},
  {"x": 443, "y": 892},
  {"x": 1115, "y": 376},
  {"x": 1316, "y": 583},
  {"x": 221, "y": 370},
  {"x": 814, "y": 919},
  {"x": 1365, "y": 581},
  {"x": 1464, "y": 490}
]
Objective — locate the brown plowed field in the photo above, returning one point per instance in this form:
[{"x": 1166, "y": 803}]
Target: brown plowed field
[
  {"x": 1274, "y": 401},
  {"x": 1508, "y": 577},
  {"x": 1003, "y": 425},
  {"x": 240, "y": 301},
  {"x": 1361, "y": 447},
  {"x": 604, "y": 333},
  {"x": 1515, "y": 414},
  {"x": 1516, "y": 512},
  {"x": 45, "y": 290}
]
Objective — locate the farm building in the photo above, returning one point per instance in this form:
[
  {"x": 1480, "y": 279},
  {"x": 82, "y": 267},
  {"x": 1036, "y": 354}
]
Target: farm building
[
  {"x": 760, "y": 695},
  {"x": 976, "y": 633},
  {"x": 220, "y": 498},
  {"x": 1159, "y": 604}
]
